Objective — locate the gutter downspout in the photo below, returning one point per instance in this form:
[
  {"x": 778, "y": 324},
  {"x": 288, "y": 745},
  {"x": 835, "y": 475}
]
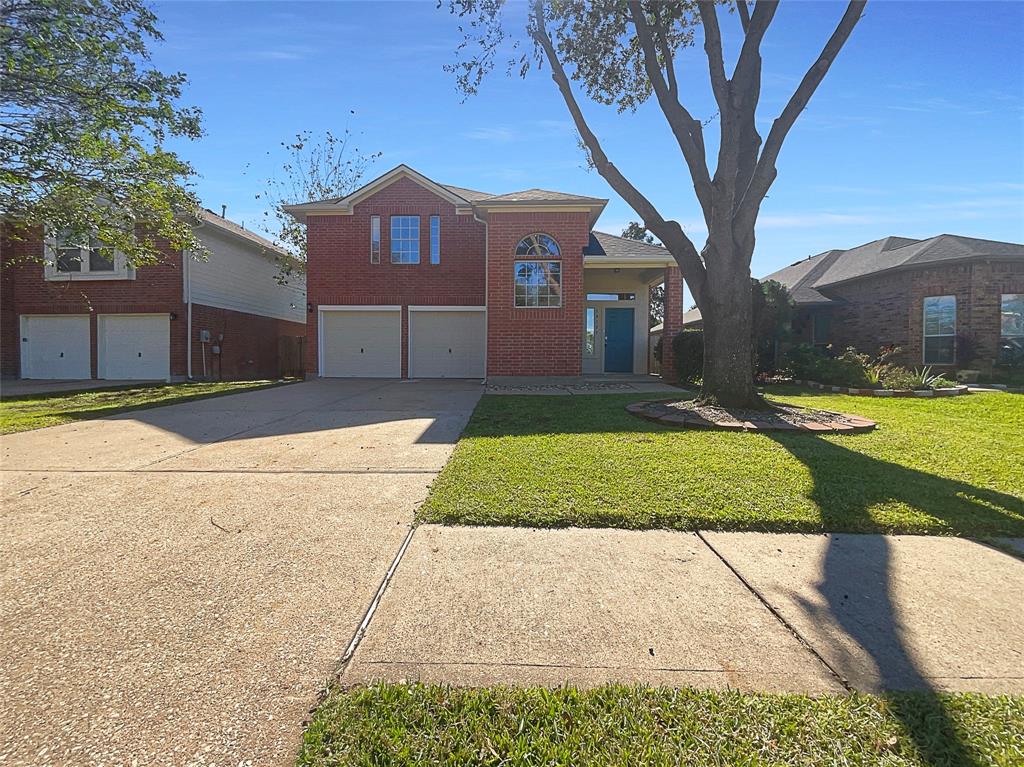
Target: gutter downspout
[
  {"x": 187, "y": 273},
  {"x": 487, "y": 277}
]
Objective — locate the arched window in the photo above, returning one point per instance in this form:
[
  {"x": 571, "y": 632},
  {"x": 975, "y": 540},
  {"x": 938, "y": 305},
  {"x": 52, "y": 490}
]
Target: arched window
[{"x": 538, "y": 246}]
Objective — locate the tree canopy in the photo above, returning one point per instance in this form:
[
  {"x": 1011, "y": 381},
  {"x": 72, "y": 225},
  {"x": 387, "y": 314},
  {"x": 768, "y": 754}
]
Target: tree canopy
[
  {"x": 625, "y": 53},
  {"x": 84, "y": 118}
]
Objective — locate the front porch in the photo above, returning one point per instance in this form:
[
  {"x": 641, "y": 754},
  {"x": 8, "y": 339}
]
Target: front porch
[{"x": 616, "y": 317}]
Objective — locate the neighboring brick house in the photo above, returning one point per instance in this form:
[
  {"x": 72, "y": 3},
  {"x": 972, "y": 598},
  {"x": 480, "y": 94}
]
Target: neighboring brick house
[
  {"x": 414, "y": 279},
  {"x": 948, "y": 301},
  {"x": 74, "y": 313}
]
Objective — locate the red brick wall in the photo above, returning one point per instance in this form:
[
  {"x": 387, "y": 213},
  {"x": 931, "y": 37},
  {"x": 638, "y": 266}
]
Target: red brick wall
[
  {"x": 339, "y": 269},
  {"x": 537, "y": 341},
  {"x": 155, "y": 289},
  {"x": 888, "y": 309},
  {"x": 673, "y": 321},
  {"x": 249, "y": 349}
]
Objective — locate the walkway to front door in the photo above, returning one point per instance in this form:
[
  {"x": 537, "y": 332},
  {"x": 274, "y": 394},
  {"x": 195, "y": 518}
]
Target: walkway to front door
[{"x": 618, "y": 340}]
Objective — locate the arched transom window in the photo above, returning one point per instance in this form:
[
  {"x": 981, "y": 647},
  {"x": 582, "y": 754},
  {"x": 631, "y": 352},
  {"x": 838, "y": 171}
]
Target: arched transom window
[{"x": 538, "y": 246}]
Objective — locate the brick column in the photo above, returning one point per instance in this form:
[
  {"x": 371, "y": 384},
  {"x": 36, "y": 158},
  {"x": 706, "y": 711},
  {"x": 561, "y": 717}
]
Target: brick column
[{"x": 673, "y": 321}]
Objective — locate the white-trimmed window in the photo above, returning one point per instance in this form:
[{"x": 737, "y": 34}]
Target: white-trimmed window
[
  {"x": 1011, "y": 328},
  {"x": 538, "y": 245},
  {"x": 66, "y": 258},
  {"x": 405, "y": 239},
  {"x": 538, "y": 284},
  {"x": 939, "y": 330},
  {"x": 590, "y": 332},
  {"x": 374, "y": 239},
  {"x": 435, "y": 239}
]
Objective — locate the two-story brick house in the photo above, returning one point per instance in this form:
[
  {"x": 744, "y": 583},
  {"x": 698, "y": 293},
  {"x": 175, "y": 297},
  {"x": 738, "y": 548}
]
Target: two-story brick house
[
  {"x": 410, "y": 278},
  {"x": 71, "y": 310}
]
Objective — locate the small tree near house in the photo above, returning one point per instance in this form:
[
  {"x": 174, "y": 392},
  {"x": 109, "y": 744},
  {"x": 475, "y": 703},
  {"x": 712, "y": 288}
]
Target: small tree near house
[{"x": 623, "y": 53}]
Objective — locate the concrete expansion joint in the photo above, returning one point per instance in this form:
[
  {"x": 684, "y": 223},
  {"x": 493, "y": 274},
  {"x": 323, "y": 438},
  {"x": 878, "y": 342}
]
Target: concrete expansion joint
[
  {"x": 778, "y": 616},
  {"x": 364, "y": 624}
]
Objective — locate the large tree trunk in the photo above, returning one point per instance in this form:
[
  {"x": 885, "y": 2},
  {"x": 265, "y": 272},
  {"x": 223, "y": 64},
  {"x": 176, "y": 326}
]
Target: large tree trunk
[{"x": 728, "y": 330}]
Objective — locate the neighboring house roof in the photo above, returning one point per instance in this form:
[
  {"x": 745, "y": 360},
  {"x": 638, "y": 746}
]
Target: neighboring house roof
[
  {"x": 607, "y": 247},
  {"x": 207, "y": 216},
  {"x": 464, "y": 200},
  {"x": 808, "y": 278}
]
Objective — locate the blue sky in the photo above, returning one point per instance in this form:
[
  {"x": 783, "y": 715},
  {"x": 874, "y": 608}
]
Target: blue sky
[{"x": 917, "y": 130}]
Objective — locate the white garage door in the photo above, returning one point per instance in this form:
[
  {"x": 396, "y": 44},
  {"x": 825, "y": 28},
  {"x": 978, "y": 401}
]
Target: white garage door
[
  {"x": 447, "y": 344},
  {"x": 134, "y": 347},
  {"x": 55, "y": 347},
  {"x": 361, "y": 344}
]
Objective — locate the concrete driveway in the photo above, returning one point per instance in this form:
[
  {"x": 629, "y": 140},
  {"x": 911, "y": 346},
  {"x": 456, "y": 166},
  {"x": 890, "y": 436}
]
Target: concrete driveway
[{"x": 179, "y": 582}]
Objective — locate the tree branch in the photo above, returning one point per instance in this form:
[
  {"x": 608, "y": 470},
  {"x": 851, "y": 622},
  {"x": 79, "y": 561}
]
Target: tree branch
[
  {"x": 765, "y": 172},
  {"x": 669, "y": 232},
  {"x": 713, "y": 49},
  {"x": 744, "y": 14},
  {"x": 688, "y": 132}
]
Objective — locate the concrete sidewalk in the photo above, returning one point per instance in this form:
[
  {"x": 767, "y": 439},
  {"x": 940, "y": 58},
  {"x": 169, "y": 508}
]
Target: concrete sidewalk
[{"x": 794, "y": 613}]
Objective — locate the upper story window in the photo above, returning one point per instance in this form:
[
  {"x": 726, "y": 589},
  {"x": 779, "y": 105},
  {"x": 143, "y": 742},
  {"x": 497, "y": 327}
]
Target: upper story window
[
  {"x": 1011, "y": 328},
  {"x": 539, "y": 246},
  {"x": 69, "y": 258},
  {"x": 405, "y": 239},
  {"x": 374, "y": 239},
  {"x": 435, "y": 239},
  {"x": 940, "y": 330}
]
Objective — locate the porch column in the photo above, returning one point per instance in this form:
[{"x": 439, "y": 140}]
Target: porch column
[{"x": 673, "y": 321}]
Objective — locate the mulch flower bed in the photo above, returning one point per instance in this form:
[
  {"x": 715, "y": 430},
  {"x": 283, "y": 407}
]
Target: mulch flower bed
[{"x": 689, "y": 415}]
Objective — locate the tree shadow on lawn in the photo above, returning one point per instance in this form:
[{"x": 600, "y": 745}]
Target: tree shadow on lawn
[{"x": 856, "y": 577}]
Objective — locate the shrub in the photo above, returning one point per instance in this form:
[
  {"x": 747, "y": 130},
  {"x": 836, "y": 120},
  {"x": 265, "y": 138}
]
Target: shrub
[{"x": 688, "y": 349}]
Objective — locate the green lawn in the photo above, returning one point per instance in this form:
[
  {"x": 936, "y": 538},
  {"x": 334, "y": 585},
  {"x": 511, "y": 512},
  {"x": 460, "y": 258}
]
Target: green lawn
[
  {"x": 940, "y": 466},
  {"x": 635, "y": 725},
  {"x": 36, "y": 411}
]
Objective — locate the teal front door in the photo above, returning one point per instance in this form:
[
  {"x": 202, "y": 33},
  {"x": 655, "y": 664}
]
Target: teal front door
[{"x": 618, "y": 340}]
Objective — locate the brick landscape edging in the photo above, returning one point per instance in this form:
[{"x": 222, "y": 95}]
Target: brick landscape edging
[
  {"x": 855, "y": 425},
  {"x": 956, "y": 391}
]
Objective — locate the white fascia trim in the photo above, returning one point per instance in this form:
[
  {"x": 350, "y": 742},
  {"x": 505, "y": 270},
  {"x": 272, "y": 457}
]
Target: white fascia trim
[
  {"x": 357, "y": 308},
  {"x": 599, "y": 262},
  {"x": 442, "y": 308}
]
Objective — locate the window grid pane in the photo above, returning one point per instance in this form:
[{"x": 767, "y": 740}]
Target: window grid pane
[
  {"x": 374, "y": 239},
  {"x": 538, "y": 284},
  {"x": 940, "y": 330},
  {"x": 435, "y": 239},
  {"x": 69, "y": 259},
  {"x": 1011, "y": 328},
  {"x": 405, "y": 239},
  {"x": 539, "y": 245}
]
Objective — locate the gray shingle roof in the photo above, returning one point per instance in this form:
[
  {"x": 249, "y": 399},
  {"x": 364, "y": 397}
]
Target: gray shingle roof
[
  {"x": 208, "y": 216},
  {"x": 469, "y": 195},
  {"x": 623, "y": 248},
  {"x": 542, "y": 195}
]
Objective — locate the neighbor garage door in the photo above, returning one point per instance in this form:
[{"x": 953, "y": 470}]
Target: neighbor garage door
[
  {"x": 55, "y": 346},
  {"x": 361, "y": 343},
  {"x": 134, "y": 347},
  {"x": 446, "y": 343}
]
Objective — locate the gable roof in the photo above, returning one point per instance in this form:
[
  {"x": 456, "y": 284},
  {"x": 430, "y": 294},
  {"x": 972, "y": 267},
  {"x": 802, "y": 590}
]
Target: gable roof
[
  {"x": 465, "y": 200},
  {"x": 608, "y": 247}
]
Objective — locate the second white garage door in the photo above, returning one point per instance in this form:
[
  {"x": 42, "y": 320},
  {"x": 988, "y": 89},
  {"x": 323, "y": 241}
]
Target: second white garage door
[
  {"x": 133, "y": 347},
  {"x": 447, "y": 344},
  {"x": 361, "y": 343}
]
